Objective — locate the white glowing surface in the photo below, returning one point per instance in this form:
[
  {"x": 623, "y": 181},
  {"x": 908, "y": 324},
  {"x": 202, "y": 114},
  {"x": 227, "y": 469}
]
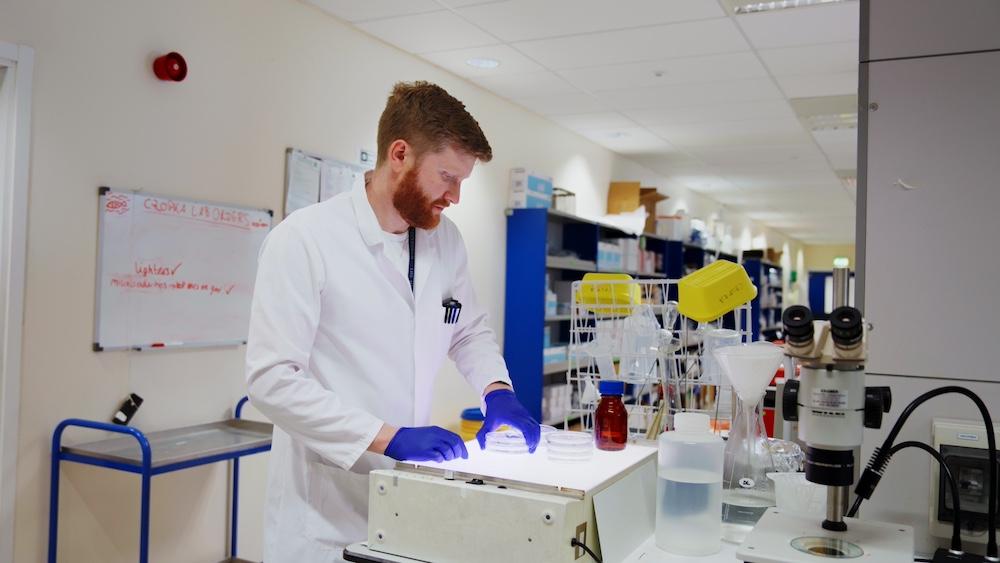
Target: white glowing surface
[
  {"x": 750, "y": 367},
  {"x": 538, "y": 470}
]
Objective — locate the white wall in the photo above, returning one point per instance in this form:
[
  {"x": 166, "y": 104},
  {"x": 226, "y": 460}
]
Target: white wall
[{"x": 264, "y": 75}]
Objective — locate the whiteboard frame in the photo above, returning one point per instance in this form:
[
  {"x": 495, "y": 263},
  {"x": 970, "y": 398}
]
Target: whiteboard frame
[
  {"x": 97, "y": 346},
  {"x": 20, "y": 62}
]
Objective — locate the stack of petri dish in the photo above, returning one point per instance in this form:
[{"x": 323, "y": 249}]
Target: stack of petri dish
[
  {"x": 568, "y": 446},
  {"x": 511, "y": 441}
]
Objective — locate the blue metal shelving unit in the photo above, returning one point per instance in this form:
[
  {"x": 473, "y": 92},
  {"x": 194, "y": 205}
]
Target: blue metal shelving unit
[
  {"x": 530, "y": 233},
  {"x": 757, "y": 269},
  {"x": 157, "y": 453}
]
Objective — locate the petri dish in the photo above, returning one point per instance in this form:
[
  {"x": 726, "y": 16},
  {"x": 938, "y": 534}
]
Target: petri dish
[
  {"x": 569, "y": 446},
  {"x": 506, "y": 441}
]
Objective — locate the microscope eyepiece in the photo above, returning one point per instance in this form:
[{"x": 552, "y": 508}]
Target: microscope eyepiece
[
  {"x": 846, "y": 327},
  {"x": 798, "y": 321}
]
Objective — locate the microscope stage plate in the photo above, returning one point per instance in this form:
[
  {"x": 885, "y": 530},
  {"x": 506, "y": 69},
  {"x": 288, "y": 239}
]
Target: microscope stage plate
[{"x": 771, "y": 540}]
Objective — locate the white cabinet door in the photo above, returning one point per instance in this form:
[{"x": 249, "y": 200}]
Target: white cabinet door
[
  {"x": 932, "y": 236},
  {"x": 911, "y": 28}
]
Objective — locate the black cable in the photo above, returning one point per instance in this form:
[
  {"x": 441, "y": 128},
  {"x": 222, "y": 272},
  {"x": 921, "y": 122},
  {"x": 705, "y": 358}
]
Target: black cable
[
  {"x": 577, "y": 543},
  {"x": 956, "y": 532},
  {"x": 880, "y": 457}
]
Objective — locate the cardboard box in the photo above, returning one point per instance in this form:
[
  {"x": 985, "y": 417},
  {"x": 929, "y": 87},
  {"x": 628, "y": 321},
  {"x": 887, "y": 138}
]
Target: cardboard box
[
  {"x": 628, "y": 196},
  {"x": 528, "y": 189}
]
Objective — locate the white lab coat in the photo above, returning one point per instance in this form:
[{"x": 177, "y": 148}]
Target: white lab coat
[{"x": 336, "y": 347}]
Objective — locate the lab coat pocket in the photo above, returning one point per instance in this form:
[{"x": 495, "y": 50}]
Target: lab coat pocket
[
  {"x": 339, "y": 502},
  {"x": 445, "y": 332}
]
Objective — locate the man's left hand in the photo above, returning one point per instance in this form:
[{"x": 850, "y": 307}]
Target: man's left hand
[{"x": 502, "y": 407}]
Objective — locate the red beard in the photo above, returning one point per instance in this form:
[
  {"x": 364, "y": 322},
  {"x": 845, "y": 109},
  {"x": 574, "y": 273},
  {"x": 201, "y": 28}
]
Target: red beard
[{"x": 413, "y": 206}]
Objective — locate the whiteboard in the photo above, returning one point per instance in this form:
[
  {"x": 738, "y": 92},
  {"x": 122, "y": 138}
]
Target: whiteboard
[
  {"x": 311, "y": 178},
  {"x": 174, "y": 272}
]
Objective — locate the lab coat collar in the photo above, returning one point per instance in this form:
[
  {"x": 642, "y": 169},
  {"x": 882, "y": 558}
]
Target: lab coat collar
[{"x": 371, "y": 231}]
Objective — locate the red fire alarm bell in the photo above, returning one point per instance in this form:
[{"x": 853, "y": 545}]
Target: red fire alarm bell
[{"x": 170, "y": 67}]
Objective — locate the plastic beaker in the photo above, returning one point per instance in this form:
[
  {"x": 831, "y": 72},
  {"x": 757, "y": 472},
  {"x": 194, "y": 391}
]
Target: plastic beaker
[
  {"x": 714, "y": 339},
  {"x": 793, "y": 493},
  {"x": 640, "y": 343}
]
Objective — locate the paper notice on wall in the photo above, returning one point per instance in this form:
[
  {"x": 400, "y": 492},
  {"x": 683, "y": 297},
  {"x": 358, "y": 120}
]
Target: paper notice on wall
[
  {"x": 337, "y": 178},
  {"x": 303, "y": 181}
]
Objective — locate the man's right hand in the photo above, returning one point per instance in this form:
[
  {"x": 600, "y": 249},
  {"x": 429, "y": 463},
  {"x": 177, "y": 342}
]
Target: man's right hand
[{"x": 426, "y": 443}]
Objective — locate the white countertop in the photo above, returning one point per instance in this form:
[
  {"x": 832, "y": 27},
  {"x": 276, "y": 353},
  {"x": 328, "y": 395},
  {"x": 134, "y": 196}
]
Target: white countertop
[{"x": 649, "y": 553}]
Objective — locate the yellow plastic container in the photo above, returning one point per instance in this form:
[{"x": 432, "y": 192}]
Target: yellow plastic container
[
  {"x": 471, "y": 422},
  {"x": 714, "y": 290},
  {"x": 608, "y": 299}
]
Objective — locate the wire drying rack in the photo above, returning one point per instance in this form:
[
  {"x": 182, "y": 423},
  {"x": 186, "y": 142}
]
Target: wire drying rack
[{"x": 631, "y": 330}]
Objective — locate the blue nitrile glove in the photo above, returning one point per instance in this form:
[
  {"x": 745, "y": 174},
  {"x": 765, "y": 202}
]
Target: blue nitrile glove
[
  {"x": 502, "y": 407},
  {"x": 426, "y": 443}
]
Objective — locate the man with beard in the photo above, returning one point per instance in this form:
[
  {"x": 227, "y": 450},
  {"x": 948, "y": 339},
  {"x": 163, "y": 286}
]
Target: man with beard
[{"x": 358, "y": 300}]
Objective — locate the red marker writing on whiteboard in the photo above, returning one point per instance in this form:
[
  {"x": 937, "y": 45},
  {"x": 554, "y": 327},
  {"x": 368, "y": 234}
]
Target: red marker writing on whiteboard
[{"x": 165, "y": 344}]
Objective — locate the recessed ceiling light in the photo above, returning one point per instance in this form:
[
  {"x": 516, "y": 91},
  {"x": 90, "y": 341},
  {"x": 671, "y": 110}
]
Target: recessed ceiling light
[
  {"x": 482, "y": 62},
  {"x": 754, "y": 7},
  {"x": 832, "y": 122}
]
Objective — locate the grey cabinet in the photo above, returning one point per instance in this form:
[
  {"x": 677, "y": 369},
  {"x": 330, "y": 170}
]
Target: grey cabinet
[
  {"x": 911, "y": 28},
  {"x": 930, "y": 221}
]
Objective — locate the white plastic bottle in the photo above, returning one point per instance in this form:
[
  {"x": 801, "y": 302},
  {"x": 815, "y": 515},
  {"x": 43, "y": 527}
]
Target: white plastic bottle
[{"x": 689, "y": 487}]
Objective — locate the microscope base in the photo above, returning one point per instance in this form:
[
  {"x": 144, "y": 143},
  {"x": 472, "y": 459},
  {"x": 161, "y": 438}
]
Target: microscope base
[{"x": 771, "y": 540}]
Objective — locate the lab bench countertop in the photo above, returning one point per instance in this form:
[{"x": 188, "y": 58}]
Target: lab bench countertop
[{"x": 647, "y": 553}]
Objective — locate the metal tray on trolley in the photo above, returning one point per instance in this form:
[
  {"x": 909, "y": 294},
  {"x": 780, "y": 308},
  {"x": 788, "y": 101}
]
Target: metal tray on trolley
[{"x": 180, "y": 445}]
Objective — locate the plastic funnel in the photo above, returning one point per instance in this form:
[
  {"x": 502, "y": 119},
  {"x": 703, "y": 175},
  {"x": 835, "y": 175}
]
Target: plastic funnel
[{"x": 750, "y": 368}]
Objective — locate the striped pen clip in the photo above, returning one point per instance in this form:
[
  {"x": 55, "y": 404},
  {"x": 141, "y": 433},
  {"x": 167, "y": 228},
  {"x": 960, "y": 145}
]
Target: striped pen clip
[{"x": 452, "y": 310}]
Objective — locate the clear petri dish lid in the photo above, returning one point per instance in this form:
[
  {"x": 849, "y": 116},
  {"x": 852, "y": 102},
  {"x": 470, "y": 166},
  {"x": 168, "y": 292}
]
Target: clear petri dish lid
[
  {"x": 578, "y": 457},
  {"x": 569, "y": 439},
  {"x": 508, "y": 441}
]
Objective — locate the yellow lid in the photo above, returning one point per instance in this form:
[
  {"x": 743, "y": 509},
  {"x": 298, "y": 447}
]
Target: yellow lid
[
  {"x": 714, "y": 290},
  {"x": 608, "y": 299}
]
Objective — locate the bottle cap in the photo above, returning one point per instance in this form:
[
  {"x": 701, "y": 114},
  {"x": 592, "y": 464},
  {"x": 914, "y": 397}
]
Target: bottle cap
[
  {"x": 692, "y": 422},
  {"x": 473, "y": 414},
  {"x": 611, "y": 387}
]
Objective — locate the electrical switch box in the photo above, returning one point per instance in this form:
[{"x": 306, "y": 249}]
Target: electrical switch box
[{"x": 964, "y": 446}]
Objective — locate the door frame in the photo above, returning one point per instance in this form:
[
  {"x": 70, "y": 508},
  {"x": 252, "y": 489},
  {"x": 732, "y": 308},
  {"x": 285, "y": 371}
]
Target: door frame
[{"x": 19, "y": 61}]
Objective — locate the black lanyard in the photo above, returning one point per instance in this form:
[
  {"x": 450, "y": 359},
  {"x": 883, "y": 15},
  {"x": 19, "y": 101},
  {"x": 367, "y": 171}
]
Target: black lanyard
[{"x": 413, "y": 246}]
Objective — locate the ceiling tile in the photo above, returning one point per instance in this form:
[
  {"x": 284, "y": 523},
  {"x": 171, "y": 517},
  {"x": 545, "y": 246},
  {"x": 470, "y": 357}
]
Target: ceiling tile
[
  {"x": 804, "y": 153},
  {"x": 840, "y": 145},
  {"x": 424, "y": 33},
  {"x": 519, "y": 20},
  {"x": 722, "y": 133},
  {"x": 514, "y": 86},
  {"x": 684, "y": 95},
  {"x": 563, "y": 104},
  {"x": 354, "y": 11},
  {"x": 809, "y": 25},
  {"x": 830, "y": 58},
  {"x": 464, "y": 3},
  {"x": 710, "y": 68},
  {"x": 588, "y": 121},
  {"x": 719, "y": 112},
  {"x": 634, "y": 45},
  {"x": 511, "y": 61},
  {"x": 629, "y": 140},
  {"x": 814, "y": 86},
  {"x": 674, "y": 164}
]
